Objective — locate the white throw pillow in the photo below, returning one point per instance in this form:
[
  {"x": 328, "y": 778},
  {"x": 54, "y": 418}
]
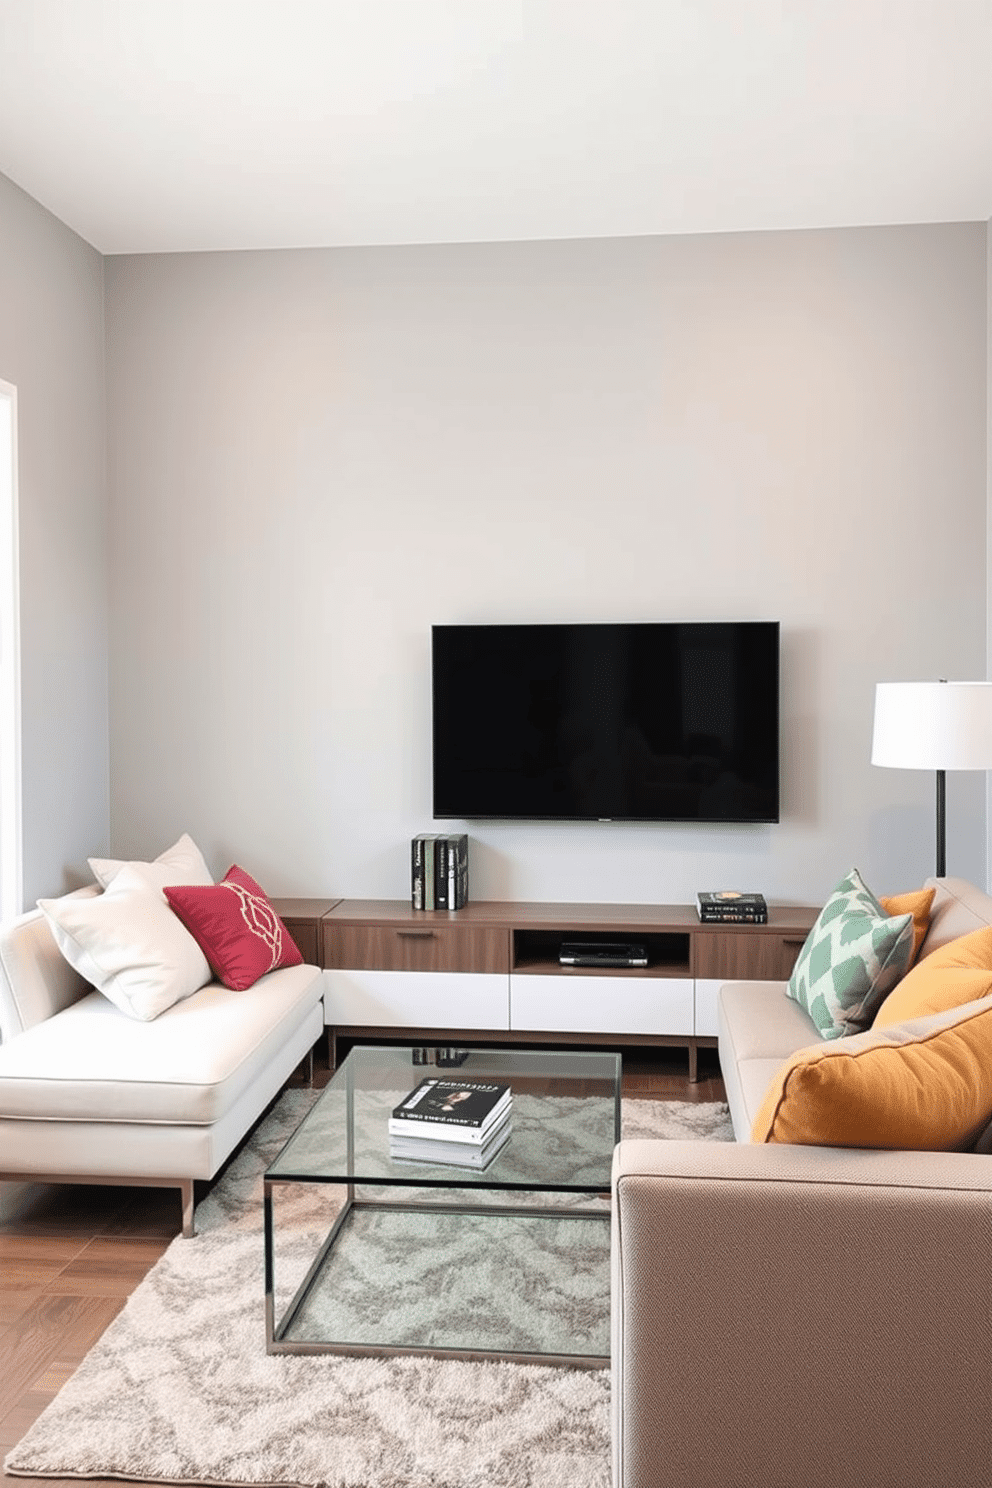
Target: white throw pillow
[
  {"x": 128, "y": 943},
  {"x": 182, "y": 863}
]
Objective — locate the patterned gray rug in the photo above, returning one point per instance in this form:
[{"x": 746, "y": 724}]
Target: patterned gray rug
[{"x": 180, "y": 1389}]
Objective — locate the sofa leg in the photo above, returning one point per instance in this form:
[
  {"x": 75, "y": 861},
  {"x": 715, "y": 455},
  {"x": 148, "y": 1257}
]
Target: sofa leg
[{"x": 186, "y": 1194}]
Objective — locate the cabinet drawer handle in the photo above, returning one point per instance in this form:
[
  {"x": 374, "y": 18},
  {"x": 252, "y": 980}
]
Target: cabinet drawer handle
[
  {"x": 791, "y": 940},
  {"x": 415, "y": 934}
]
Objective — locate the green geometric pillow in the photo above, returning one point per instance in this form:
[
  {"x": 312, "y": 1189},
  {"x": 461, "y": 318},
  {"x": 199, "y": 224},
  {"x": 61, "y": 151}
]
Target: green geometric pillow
[{"x": 853, "y": 957}]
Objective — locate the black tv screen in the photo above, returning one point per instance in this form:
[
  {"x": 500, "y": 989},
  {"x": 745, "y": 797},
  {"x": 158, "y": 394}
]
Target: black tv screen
[{"x": 643, "y": 722}]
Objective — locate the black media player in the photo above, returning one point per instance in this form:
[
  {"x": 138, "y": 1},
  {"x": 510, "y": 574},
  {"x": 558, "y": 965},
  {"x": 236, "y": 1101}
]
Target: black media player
[{"x": 601, "y": 953}]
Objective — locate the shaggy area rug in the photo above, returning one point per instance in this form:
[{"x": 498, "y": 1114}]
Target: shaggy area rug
[{"x": 180, "y": 1389}]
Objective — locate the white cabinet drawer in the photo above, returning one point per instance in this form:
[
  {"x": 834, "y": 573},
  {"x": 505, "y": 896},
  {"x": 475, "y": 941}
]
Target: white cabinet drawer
[
  {"x": 416, "y": 999},
  {"x": 601, "y": 1004}
]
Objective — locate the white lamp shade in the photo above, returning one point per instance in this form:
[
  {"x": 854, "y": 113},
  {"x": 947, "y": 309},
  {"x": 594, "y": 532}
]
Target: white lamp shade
[{"x": 933, "y": 725}]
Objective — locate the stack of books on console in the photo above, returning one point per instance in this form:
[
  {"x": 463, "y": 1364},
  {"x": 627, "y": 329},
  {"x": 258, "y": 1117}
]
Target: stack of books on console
[
  {"x": 461, "y": 1122},
  {"x": 730, "y": 906},
  {"x": 439, "y": 871}
]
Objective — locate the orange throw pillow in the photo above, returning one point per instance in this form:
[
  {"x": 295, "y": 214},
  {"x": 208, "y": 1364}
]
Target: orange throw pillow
[
  {"x": 959, "y": 972},
  {"x": 921, "y": 1086},
  {"x": 919, "y": 904}
]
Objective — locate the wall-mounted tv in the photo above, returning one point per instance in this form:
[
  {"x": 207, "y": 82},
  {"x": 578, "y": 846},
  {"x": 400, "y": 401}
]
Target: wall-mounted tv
[{"x": 644, "y": 722}]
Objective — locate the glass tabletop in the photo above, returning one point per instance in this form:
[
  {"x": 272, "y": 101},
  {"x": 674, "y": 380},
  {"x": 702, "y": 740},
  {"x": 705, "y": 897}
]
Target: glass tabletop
[{"x": 564, "y": 1121}]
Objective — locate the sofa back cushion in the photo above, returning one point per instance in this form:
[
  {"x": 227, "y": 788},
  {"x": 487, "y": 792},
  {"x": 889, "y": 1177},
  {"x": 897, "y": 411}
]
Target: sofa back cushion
[
  {"x": 36, "y": 981},
  {"x": 958, "y": 908},
  {"x": 925, "y": 1085}
]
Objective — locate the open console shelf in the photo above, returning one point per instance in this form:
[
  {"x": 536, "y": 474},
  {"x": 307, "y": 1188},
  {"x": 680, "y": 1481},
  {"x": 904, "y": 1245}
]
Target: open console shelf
[{"x": 538, "y": 952}]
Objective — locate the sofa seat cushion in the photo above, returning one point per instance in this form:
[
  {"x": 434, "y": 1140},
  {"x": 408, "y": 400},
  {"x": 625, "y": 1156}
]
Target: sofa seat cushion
[
  {"x": 760, "y": 1028},
  {"x": 189, "y": 1066}
]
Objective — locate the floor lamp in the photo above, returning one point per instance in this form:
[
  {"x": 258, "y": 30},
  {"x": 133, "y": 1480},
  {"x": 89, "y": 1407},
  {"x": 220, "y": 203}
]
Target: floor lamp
[{"x": 934, "y": 726}]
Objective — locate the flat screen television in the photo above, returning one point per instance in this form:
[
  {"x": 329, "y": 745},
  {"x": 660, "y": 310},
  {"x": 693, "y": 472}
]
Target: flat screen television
[{"x": 642, "y": 722}]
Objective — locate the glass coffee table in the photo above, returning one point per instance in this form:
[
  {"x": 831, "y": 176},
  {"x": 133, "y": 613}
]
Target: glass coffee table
[{"x": 370, "y": 1254}]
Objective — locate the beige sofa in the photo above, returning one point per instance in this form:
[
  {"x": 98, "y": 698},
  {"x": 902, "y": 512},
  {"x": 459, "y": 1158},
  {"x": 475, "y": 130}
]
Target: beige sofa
[
  {"x": 789, "y": 1315},
  {"x": 90, "y": 1095}
]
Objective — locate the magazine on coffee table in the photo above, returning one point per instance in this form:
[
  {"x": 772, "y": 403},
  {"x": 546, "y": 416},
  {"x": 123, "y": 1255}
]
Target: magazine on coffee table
[{"x": 452, "y": 1110}]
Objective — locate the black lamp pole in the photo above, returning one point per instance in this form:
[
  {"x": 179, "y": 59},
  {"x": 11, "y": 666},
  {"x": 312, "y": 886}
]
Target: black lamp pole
[{"x": 941, "y": 816}]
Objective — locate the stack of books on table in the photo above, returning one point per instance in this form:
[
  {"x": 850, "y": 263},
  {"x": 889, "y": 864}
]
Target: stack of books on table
[
  {"x": 461, "y": 1122},
  {"x": 439, "y": 871},
  {"x": 730, "y": 906}
]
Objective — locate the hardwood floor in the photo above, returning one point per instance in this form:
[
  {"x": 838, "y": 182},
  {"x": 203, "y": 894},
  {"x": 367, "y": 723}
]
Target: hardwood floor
[{"x": 71, "y": 1255}]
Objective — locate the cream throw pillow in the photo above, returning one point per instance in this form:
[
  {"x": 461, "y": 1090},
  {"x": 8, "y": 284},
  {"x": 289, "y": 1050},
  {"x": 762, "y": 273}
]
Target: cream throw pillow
[
  {"x": 128, "y": 943},
  {"x": 182, "y": 863}
]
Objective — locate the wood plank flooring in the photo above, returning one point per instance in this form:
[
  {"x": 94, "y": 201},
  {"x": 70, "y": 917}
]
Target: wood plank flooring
[{"x": 71, "y": 1255}]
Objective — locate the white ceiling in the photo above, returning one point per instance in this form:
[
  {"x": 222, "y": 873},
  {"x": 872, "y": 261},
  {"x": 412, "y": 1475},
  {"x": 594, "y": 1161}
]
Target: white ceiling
[{"x": 169, "y": 125}]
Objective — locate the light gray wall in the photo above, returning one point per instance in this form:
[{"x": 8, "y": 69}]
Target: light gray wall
[
  {"x": 315, "y": 455},
  {"x": 51, "y": 349}
]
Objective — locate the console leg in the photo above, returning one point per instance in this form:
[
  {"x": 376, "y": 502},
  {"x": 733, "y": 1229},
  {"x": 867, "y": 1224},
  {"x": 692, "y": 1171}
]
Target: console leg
[
  {"x": 332, "y": 1048},
  {"x": 693, "y": 1063}
]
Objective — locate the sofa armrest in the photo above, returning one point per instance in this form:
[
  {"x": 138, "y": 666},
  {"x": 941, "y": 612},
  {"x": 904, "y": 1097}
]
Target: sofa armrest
[{"x": 786, "y": 1315}]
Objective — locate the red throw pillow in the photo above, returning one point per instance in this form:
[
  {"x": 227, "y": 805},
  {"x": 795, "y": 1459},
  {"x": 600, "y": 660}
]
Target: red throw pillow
[{"x": 236, "y": 928}]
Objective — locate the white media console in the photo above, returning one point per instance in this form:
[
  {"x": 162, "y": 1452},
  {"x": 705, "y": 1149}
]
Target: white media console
[{"x": 490, "y": 972}]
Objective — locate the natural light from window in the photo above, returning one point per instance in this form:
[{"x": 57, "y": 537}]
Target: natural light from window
[{"x": 10, "y": 686}]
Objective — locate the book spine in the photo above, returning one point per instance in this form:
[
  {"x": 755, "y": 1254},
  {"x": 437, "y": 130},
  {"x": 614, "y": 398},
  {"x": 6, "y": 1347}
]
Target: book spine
[
  {"x": 453, "y": 873},
  {"x": 441, "y": 873},
  {"x": 470, "y": 1135},
  {"x": 723, "y": 917},
  {"x": 417, "y": 872},
  {"x": 460, "y": 857},
  {"x": 750, "y": 906},
  {"x": 474, "y": 1136},
  {"x": 429, "y": 844}
]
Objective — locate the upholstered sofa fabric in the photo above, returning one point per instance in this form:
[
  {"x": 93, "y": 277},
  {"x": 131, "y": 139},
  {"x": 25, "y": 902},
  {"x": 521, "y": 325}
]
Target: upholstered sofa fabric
[
  {"x": 760, "y": 1028},
  {"x": 89, "y": 1063},
  {"x": 35, "y": 978},
  {"x": 801, "y": 1314}
]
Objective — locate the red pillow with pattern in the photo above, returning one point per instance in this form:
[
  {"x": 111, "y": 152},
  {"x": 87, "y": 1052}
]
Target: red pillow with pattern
[{"x": 236, "y": 928}]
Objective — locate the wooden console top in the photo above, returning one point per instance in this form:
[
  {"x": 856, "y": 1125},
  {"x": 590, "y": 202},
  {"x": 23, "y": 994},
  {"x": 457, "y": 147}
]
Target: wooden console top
[{"x": 631, "y": 918}]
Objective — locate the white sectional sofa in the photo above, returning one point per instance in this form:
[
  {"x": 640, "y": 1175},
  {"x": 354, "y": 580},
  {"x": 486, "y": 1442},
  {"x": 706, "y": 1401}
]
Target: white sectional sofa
[{"x": 90, "y": 1095}]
